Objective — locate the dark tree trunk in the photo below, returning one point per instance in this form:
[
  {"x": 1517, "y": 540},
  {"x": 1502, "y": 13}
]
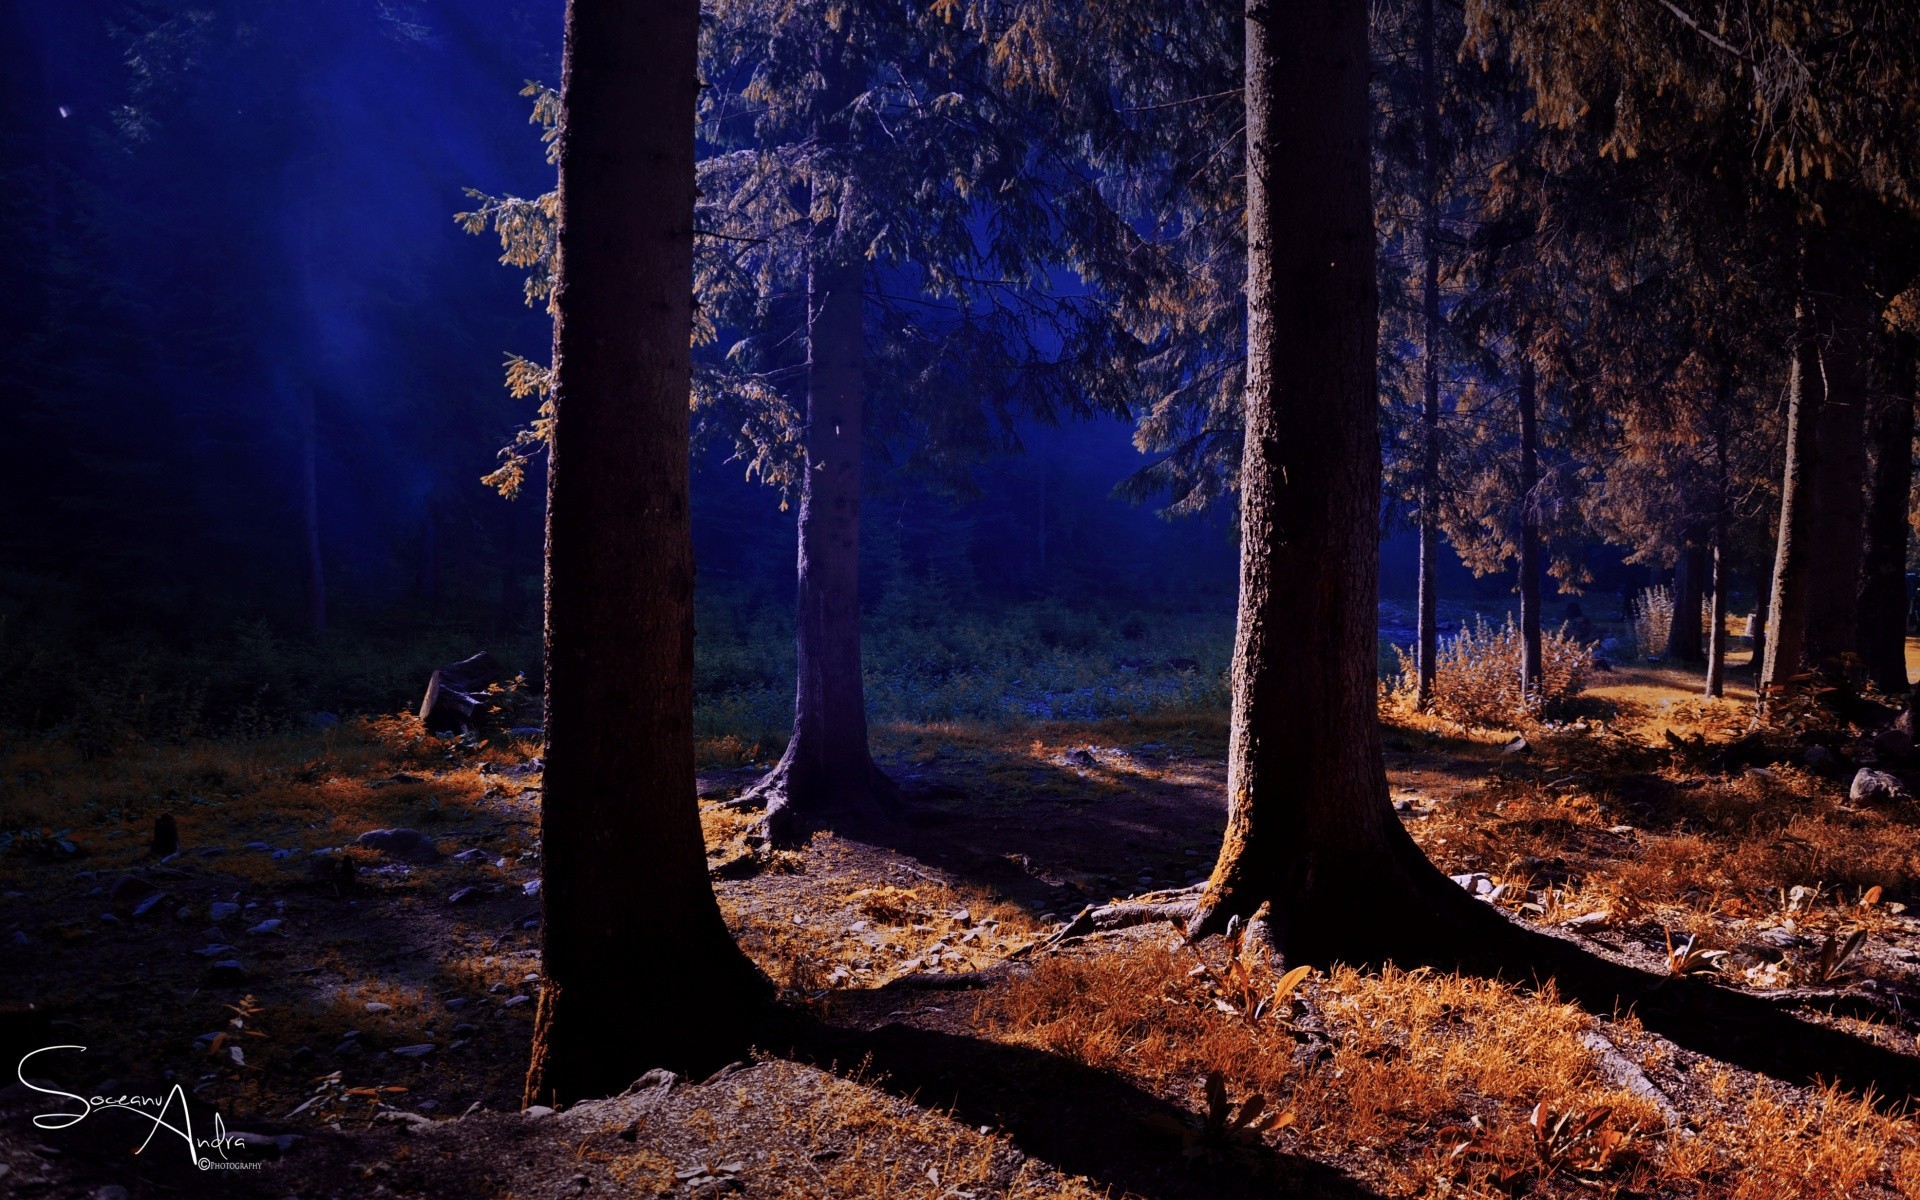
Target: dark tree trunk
[
  {"x": 1839, "y": 486},
  {"x": 1762, "y": 597},
  {"x": 639, "y": 968},
  {"x": 1786, "y": 639},
  {"x": 827, "y": 772},
  {"x": 1689, "y": 591},
  {"x": 1427, "y": 649},
  {"x": 1531, "y": 671},
  {"x": 1310, "y": 833},
  {"x": 1882, "y": 627},
  {"x": 316, "y": 572}
]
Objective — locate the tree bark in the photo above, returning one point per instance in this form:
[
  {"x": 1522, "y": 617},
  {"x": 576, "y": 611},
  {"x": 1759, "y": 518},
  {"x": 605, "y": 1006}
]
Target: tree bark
[
  {"x": 1882, "y": 621},
  {"x": 639, "y": 968},
  {"x": 1689, "y": 592},
  {"x": 316, "y": 567},
  {"x": 1839, "y": 486},
  {"x": 1532, "y": 674},
  {"x": 1427, "y": 648},
  {"x": 827, "y": 772},
  {"x": 1310, "y": 834},
  {"x": 1793, "y": 552}
]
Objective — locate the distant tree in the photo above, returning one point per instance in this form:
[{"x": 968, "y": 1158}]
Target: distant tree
[
  {"x": 639, "y": 968},
  {"x": 1311, "y": 839}
]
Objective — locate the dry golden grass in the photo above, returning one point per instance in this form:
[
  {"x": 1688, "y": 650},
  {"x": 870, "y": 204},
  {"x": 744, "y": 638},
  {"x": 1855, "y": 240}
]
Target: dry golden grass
[{"x": 1429, "y": 1082}]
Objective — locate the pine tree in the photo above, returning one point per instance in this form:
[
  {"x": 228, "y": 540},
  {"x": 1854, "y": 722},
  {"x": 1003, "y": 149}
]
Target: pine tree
[
  {"x": 1312, "y": 841},
  {"x": 639, "y": 968}
]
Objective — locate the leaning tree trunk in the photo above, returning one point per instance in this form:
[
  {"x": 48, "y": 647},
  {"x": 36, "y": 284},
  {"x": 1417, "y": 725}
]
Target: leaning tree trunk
[
  {"x": 1532, "y": 675},
  {"x": 1689, "y": 592},
  {"x": 1427, "y": 648},
  {"x": 827, "y": 772},
  {"x": 1310, "y": 833},
  {"x": 1882, "y": 623},
  {"x": 639, "y": 968},
  {"x": 1786, "y": 631}
]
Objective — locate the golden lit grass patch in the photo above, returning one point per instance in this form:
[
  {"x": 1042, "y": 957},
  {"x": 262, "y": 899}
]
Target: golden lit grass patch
[{"x": 1444, "y": 1084}]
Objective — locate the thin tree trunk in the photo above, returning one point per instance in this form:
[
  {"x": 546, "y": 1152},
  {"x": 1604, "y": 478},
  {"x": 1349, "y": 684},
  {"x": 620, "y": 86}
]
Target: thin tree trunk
[
  {"x": 827, "y": 771},
  {"x": 316, "y": 573},
  {"x": 1689, "y": 591},
  {"x": 639, "y": 968},
  {"x": 1311, "y": 837},
  {"x": 1717, "y": 614},
  {"x": 1883, "y": 584},
  {"x": 1793, "y": 553},
  {"x": 1427, "y": 648},
  {"x": 1763, "y": 596},
  {"x": 1532, "y": 675}
]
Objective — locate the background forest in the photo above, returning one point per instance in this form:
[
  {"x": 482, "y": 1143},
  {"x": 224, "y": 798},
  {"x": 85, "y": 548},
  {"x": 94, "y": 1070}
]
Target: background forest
[
  {"x": 1299, "y": 598},
  {"x": 255, "y": 370}
]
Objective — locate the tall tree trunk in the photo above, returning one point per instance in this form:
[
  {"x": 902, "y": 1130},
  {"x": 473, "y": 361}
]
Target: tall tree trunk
[
  {"x": 1427, "y": 648},
  {"x": 1839, "y": 486},
  {"x": 1762, "y": 598},
  {"x": 1793, "y": 552},
  {"x": 1310, "y": 834},
  {"x": 1882, "y": 624},
  {"x": 639, "y": 968},
  {"x": 827, "y": 772},
  {"x": 1689, "y": 591},
  {"x": 316, "y": 573},
  {"x": 1532, "y": 675}
]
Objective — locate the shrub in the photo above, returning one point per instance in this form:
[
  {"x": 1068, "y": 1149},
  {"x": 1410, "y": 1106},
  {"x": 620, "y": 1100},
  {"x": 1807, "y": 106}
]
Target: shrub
[
  {"x": 1652, "y": 621},
  {"x": 1476, "y": 680}
]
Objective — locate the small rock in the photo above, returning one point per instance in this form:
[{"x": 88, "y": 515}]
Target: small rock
[
  {"x": 407, "y": 845},
  {"x": 457, "y": 1003},
  {"x": 222, "y": 910},
  {"x": 267, "y": 926},
  {"x": 1591, "y": 920},
  {"x": 149, "y": 904},
  {"x": 110, "y": 1191},
  {"x": 1870, "y": 786},
  {"x": 468, "y": 856},
  {"x": 1477, "y": 883},
  {"x": 536, "y": 1110},
  {"x": 377, "y": 1006},
  {"x": 227, "y": 973},
  {"x": 462, "y": 895},
  {"x": 1518, "y": 745},
  {"x": 1818, "y": 756},
  {"x": 514, "y": 1001},
  {"x": 256, "y": 846},
  {"x": 419, "y": 1051},
  {"x": 531, "y": 887},
  {"x": 215, "y": 950}
]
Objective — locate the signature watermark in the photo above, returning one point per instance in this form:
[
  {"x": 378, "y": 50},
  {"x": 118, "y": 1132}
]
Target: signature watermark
[{"x": 170, "y": 1113}]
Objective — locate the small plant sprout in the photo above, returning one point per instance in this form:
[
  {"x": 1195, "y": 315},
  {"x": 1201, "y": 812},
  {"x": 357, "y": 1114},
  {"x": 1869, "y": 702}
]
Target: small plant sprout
[
  {"x": 1828, "y": 967},
  {"x": 1690, "y": 958}
]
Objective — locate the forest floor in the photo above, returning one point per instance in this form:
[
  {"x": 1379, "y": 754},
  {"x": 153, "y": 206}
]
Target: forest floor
[{"x": 367, "y": 1027}]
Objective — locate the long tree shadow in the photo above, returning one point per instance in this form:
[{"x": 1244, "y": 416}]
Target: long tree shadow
[
  {"x": 1746, "y": 1030},
  {"x": 1081, "y": 1120}
]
